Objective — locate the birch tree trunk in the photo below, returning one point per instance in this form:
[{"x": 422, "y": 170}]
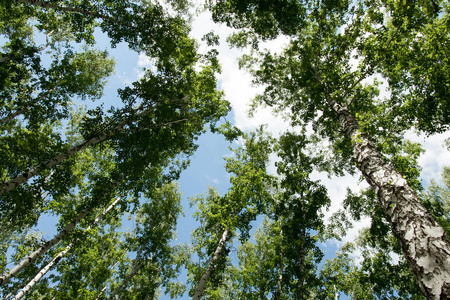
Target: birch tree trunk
[
  {"x": 336, "y": 293},
  {"x": 301, "y": 279},
  {"x": 41, "y": 273},
  {"x": 44, "y": 248},
  {"x": 61, "y": 254},
  {"x": 15, "y": 182},
  {"x": 12, "y": 115},
  {"x": 277, "y": 294},
  {"x": 423, "y": 241},
  {"x": 136, "y": 266},
  {"x": 202, "y": 283},
  {"x": 13, "y": 292},
  {"x": 100, "y": 295}
]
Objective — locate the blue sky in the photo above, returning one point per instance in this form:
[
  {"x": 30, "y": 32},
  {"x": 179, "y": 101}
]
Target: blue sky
[{"x": 206, "y": 167}]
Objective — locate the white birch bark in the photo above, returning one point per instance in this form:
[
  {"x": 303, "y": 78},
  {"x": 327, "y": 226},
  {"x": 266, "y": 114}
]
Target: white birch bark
[
  {"x": 100, "y": 295},
  {"x": 13, "y": 292},
  {"x": 13, "y": 183},
  {"x": 41, "y": 273},
  {"x": 202, "y": 283},
  {"x": 423, "y": 241},
  {"x": 60, "y": 255},
  {"x": 277, "y": 294},
  {"x": 136, "y": 266},
  {"x": 12, "y": 116},
  {"x": 301, "y": 279},
  {"x": 44, "y": 248}
]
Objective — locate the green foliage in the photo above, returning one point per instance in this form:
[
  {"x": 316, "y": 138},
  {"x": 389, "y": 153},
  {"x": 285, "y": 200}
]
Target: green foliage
[
  {"x": 437, "y": 200},
  {"x": 145, "y": 143},
  {"x": 259, "y": 264},
  {"x": 323, "y": 80},
  {"x": 281, "y": 262},
  {"x": 244, "y": 201},
  {"x": 336, "y": 46},
  {"x": 417, "y": 67},
  {"x": 266, "y": 18},
  {"x": 376, "y": 277}
]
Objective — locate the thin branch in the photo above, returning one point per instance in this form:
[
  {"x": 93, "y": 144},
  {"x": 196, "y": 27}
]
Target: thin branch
[
  {"x": 22, "y": 53},
  {"x": 45, "y": 4}
]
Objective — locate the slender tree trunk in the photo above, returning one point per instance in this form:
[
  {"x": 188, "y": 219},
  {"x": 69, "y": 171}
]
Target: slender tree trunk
[
  {"x": 101, "y": 293},
  {"x": 423, "y": 241},
  {"x": 13, "y": 292},
  {"x": 60, "y": 255},
  {"x": 6, "y": 229},
  {"x": 301, "y": 278},
  {"x": 277, "y": 294},
  {"x": 44, "y": 248},
  {"x": 99, "y": 296},
  {"x": 136, "y": 266},
  {"x": 15, "y": 182},
  {"x": 336, "y": 295},
  {"x": 41, "y": 273},
  {"x": 202, "y": 283},
  {"x": 13, "y": 115}
]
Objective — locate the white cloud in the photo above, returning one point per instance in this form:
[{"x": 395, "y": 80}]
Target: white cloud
[
  {"x": 237, "y": 83},
  {"x": 213, "y": 180},
  {"x": 436, "y": 155},
  {"x": 144, "y": 63}
]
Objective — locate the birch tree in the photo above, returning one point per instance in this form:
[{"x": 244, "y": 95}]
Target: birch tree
[
  {"x": 38, "y": 84},
  {"x": 61, "y": 235},
  {"x": 283, "y": 260},
  {"x": 221, "y": 216},
  {"x": 300, "y": 210},
  {"x": 48, "y": 93},
  {"x": 144, "y": 25},
  {"x": 150, "y": 262},
  {"x": 380, "y": 273},
  {"x": 313, "y": 82},
  {"x": 80, "y": 267},
  {"x": 155, "y": 133}
]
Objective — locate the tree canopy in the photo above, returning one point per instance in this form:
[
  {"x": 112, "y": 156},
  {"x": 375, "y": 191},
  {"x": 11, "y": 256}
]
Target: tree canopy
[{"x": 353, "y": 79}]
